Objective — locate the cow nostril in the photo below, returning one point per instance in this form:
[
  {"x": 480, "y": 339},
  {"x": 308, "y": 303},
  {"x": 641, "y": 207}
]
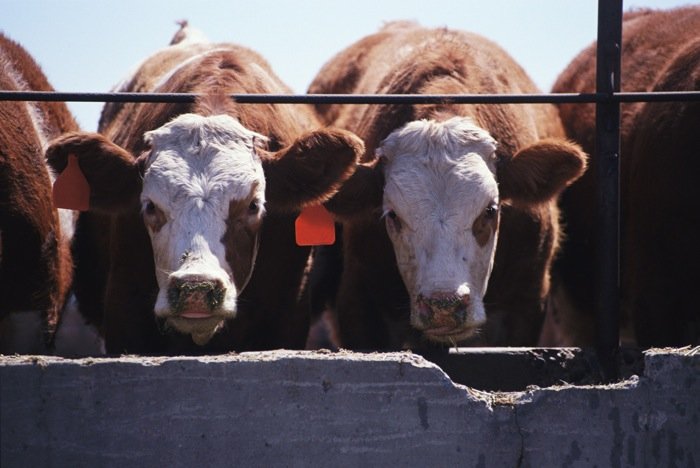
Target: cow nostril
[
  {"x": 442, "y": 308},
  {"x": 208, "y": 292},
  {"x": 447, "y": 302}
]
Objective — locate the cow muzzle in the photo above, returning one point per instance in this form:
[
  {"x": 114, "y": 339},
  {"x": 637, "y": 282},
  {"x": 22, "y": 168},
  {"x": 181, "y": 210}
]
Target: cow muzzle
[
  {"x": 445, "y": 317},
  {"x": 195, "y": 297},
  {"x": 196, "y": 303}
]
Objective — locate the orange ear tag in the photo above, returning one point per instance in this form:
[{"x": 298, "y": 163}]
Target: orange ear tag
[
  {"x": 71, "y": 190},
  {"x": 315, "y": 226}
]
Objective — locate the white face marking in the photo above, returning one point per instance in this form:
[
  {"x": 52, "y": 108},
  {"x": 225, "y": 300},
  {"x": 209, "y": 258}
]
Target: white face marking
[
  {"x": 440, "y": 189},
  {"x": 198, "y": 167}
]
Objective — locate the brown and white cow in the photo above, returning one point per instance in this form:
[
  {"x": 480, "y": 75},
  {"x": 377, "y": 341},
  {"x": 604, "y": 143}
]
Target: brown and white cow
[
  {"x": 444, "y": 189},
  {"x": 192, "y": 206},
  {"x": 35, "y": 257},
  {"x": 660, "y": 150}
]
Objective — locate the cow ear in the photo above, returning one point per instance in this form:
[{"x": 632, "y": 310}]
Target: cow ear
[
  {"x": 310, "y": 170},
  {"x": 361, "y": 194},
  {"x": 112, "y": 172},
  {"x": 539, "y": 172}
]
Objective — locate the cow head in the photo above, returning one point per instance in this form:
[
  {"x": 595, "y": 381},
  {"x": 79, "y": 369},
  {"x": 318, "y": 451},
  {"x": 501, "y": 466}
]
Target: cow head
[
  {"x": 202, "y": 201},
  {"x": 202, "y": 190},
  {"x": 441, "y": 189}
]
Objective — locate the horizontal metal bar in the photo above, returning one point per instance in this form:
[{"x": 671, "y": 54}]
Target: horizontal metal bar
[
  {"x": 656, "y": 96},
  {"x": 359, "y": 98}
]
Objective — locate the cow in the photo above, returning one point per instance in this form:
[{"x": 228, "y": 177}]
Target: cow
[
  {"x": 659, "y": 152},
  {"x": 35, "y": 238},
  {"x": 188, "y": 245},
  {"x": 448, "y": 198}
]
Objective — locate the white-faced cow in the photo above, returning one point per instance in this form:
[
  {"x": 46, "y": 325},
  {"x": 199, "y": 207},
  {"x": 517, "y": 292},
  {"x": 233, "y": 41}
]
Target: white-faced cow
[
  {"x": 35, "y": 258},
  {"x": 659, "y": 163},
  {"x": 442, "y": 190},
  {"x": 192, "y": 206}
]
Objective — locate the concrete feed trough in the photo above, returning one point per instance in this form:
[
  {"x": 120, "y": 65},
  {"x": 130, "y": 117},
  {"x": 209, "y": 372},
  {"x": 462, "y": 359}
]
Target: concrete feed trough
[{"x": 284, "y": 408}]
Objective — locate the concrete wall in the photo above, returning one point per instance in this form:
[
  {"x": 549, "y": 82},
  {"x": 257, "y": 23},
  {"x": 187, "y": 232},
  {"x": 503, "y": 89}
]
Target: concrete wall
[{"x": 286, "y": 408}]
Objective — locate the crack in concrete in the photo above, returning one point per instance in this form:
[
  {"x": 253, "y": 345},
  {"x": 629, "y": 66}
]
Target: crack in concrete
[{"x": 521, "y": 436}]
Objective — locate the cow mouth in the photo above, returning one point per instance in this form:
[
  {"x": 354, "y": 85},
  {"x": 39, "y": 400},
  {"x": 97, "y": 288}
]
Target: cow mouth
[
  {"x": 196, "y": 315},
  {"x": 446, "y": 318},
  {"x": 200, "y": 325},
  {"x": 449, "y": 334}
]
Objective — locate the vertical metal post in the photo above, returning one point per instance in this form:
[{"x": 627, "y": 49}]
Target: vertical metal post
[{"x": 607, "y": 154}]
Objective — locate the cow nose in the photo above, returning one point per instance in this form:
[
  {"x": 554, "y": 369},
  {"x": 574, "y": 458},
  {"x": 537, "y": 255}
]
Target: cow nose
[
  {"x": 441, "y": 309},
  {"x": 195, "y": 295}
]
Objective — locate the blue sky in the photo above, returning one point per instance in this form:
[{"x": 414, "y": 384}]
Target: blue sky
[{"x": 89, "y": 45}]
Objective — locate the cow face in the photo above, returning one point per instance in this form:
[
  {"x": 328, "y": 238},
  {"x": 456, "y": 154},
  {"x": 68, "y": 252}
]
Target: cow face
[
  {"x": 202, "y": 201},
  {"x": 202, "y": 191},
  {"x": 441, "y": 212},
  {"x": 439, "y": 186}
]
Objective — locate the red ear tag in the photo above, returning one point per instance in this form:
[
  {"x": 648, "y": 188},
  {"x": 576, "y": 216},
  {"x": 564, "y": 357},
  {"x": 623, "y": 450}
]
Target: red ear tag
[
  {"x": 71, "y": 190},
  {"x": 315, "y": 226}
]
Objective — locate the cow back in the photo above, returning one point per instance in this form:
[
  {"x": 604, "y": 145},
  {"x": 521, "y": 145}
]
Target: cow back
[
  {"x": 211, "y": 69},
  {"x": 404, "y": 58}
]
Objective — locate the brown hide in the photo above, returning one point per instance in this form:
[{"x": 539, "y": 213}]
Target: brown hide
[
  {"x": 35, "y": 265},
  {"x": 659, "y": 163},
  {"x": 116, "y": 245},
  {"x": 303, "y": 171},
  {"x": 372, "y": 305}
]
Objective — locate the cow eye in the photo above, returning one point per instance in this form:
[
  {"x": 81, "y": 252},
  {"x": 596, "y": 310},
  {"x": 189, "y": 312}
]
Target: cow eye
[
  {"x": 491, "y": 211},
  {"x": 149, "y": 208},
  {"x": 254, "y": 207},
  {"x": 153, "y": 216},
  {"x": 393, "y": 219}
]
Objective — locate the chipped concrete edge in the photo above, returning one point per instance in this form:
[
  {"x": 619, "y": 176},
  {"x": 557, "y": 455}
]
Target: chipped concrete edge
[
  {"x": 490, "y": 398},
  {"x": 360, "y": 414}
]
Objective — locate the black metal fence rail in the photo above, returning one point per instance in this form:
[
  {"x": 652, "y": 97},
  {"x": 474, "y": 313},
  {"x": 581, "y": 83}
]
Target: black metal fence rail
[
  {"x": 544, "y": 98},
  {"x": 607, "y": 185}
]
